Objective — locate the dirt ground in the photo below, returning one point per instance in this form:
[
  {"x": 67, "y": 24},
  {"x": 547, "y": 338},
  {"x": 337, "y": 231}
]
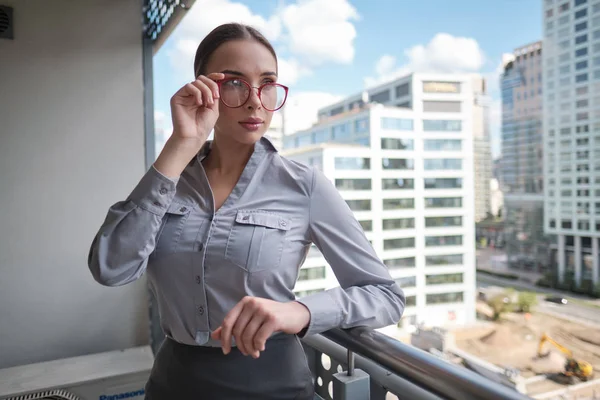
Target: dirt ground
[{"x": 513, "y": 343}]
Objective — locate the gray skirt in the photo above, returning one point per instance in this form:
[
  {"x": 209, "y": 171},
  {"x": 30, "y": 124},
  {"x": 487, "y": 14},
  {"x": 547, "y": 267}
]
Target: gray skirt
[{"x": 184, "y": 372}]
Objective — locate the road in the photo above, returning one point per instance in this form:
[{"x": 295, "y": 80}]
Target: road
[{"x": 573, "y": 311}]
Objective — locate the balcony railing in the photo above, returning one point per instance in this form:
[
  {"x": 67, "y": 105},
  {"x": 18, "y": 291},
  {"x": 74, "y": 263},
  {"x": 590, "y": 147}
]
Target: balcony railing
[{"x": 366, "y": 364}]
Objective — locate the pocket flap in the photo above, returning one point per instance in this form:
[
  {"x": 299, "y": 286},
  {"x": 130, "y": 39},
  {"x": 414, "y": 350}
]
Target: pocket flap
[
  {"x": 263, "y": 218},
  {"x": 178, "y": 209}
]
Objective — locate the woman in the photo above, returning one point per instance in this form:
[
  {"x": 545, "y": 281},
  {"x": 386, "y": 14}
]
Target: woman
[{"x": 222, "y": 228}]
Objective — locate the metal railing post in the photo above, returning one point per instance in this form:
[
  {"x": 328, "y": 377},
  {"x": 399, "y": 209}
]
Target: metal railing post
[{"x": 353, "y": 384}]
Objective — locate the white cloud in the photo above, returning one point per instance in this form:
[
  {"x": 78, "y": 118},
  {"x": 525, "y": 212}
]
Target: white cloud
[
  {"x": 321, "y": 31},
  {"x": 305, "y": 34},
  {"x": 301, "y": 109},
  {"x": 444, "y": 54}
]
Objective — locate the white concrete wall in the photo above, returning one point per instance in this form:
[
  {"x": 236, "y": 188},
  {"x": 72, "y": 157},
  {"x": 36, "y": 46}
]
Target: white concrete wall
[{"x": 71, "y": 144}]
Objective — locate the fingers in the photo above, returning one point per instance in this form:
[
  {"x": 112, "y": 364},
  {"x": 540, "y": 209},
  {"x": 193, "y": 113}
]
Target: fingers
[
  {"x": 266, "y": 330},
  {"x": 212, "y": 85},
  {"x": 228, "y": 324},
  {"x": 247, "y": 337},
  {"x": 239, "y": 329},
  {"x": 207, "y": 93},
  {"x": 216, "y": 335}
]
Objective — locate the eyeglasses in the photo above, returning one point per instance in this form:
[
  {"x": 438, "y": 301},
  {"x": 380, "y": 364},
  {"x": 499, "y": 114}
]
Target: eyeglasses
[{"x": 235, "y": 92}]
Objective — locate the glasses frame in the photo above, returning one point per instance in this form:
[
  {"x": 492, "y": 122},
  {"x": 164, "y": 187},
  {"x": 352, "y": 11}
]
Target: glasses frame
[{"x": 250, "y": 87}]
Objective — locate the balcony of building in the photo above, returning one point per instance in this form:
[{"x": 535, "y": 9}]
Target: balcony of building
[{"x": 76, "y": 132}]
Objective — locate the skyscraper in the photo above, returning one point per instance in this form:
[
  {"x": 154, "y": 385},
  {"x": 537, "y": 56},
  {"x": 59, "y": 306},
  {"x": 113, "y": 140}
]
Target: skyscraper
[
  {"x": 522, "y": 159},
  {"x": 571, "y": 70}
]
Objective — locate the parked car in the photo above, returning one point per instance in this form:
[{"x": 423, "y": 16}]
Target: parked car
[{"x": 557, "y": 299}]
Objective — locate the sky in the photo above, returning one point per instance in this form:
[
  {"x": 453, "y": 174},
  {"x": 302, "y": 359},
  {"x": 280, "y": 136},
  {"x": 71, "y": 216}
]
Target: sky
[{"x": 329, "y": 49}]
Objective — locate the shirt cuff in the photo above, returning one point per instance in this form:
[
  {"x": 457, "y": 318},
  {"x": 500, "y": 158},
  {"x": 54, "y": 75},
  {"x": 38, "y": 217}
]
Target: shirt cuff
[
  {"x": 325, "y": 314},
  {"x": 154, "y": 192}
]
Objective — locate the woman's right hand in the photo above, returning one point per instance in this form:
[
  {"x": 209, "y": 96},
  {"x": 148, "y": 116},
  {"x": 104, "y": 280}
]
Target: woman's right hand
[
  {"x": 194, "y": 112},
  {"x": 195, "y": 108}
]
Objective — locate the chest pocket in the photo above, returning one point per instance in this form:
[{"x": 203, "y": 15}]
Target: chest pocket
[
  {"x": 256, "y": 240},
  {"x": 172, "y": 228}
]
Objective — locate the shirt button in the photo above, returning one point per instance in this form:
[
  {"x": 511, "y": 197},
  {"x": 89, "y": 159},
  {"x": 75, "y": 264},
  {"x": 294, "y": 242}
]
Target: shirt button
[
  {"x": 157, "y": 204},
  {"x": 183, "y": 209},
  {"x": 163, "y": 191},
  {"x": 282, "y": 223},
  {"x": 198, "y": 279},
  {"x": 201, "y": 310}
]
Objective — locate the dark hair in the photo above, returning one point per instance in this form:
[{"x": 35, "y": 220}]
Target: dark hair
[{"x": 223, "y": 34}]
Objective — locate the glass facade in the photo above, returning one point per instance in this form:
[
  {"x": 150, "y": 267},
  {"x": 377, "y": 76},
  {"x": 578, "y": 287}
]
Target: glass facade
[
  {"x": 397, "y": 183},
  {"x": 431, "y": 125},
  {"x": 396, "y": 124},
  {"x": 352, "y": 163}
]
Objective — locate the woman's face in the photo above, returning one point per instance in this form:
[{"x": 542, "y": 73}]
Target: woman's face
[{"x": 252, "y": 62}]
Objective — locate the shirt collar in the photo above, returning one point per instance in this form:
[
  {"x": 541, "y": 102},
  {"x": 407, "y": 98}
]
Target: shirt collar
[{"x": 262, "y": 145}]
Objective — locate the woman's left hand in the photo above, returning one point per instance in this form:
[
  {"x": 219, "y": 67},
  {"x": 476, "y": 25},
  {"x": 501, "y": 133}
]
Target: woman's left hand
[{"x": 253, "y": 320}]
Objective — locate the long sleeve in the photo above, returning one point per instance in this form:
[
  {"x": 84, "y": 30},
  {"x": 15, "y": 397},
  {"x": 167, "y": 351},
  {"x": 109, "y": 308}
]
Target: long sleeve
[
  {"x": 367, "y": 295},
  {"x": 120, "y": 250}
]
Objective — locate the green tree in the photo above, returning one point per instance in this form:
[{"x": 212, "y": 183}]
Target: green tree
[
  {"x": 526, "y": 301},
  {"x": 499, "y": 305}
]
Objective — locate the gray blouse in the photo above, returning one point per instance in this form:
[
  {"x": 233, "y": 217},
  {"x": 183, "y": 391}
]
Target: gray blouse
[{"x": 201, "y": 263}]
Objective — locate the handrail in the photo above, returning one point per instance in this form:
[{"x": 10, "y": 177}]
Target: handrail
[{"x": 427, "y": 371}]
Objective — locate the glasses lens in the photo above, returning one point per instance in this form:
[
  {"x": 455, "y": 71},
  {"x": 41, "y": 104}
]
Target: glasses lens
[
  {"x": 272, "y": 96},
  {"x": 234, "y": 92}
]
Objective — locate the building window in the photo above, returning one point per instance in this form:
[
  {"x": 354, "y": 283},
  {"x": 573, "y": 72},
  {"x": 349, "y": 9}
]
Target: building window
[
  {"x": 398, "y": 163},
  {"x": 411, "y": 301},
  {"x": 406, "y": 281},
  {"x": 397, "y": 183},
  {"x": 399, "y": 263},
  {"x": 431, "y": 222},
  {"x": 441, "y": 87},
  {"x": 563, "y": 7},
  {"x": 398, "y": 204},
  {"x": 581, "y": 39},
  {"x": 580, "y": 2},
  {"x": 342, "y": 131},
  {"x": 307, "y": 274},
  {"x": 381, "y": 97},
  {"x": 581, "y": 13},
  {"x": 359, "y": 205},
  {"x": 438, "y": 241},
  {"x": 583, "y": 225},
  {"x": 581, "y": 52},
  {"x": 581, "y": 65},
  {"x": 443, "y": 202},
  {"x": 320, "y": 136},
  {"x": 430, "y": 125},
  {"x": 397, "y": 144},
  {"x": 443, "y": 183},
  {"x": 444, "y": 298},
  {"x": 361, "y": 125},
  {"x": 446, "y": 259},
  {"x": 366, "y": 225},
  {"x": 442, "y": 144},
  {"x": 443, "y": 279},
  {"x": 442, "y": 164},
  {"x": 442, "y": 106},
  {"x": 352, "y": 163},
  {"x": 397, "y": 124},
  {"x": 581, "y": 78},
  {"x": 353, "y": 184},
  {"x": 403, "y": 243},
  {"x": 402, "y": 90},
  {"x": 398, "y": 223},
  {"x": 566, "y": 224},
  {"x": 581, "y": 26}
]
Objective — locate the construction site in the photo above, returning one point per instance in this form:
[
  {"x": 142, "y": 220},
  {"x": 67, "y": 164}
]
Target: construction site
[{"x": 540, "y": 355}]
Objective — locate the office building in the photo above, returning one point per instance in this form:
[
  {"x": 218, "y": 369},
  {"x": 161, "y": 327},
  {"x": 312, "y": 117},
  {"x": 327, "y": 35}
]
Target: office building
[
  {"x": 571, "y": 106},
  {"x": 408, "y": 176},
  {"x": 433, "y": 96},
  {"x": 522, "y": 160}
]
